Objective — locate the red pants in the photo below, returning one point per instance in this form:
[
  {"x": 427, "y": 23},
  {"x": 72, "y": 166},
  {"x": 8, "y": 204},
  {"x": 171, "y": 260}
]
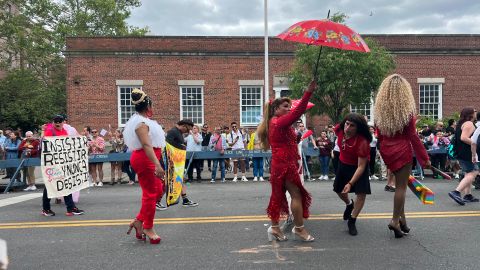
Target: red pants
[{"x": 152, "y": 186}]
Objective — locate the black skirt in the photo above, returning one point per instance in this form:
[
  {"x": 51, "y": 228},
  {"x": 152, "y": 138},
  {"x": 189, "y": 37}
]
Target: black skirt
[{"x": 344, "y": 175}]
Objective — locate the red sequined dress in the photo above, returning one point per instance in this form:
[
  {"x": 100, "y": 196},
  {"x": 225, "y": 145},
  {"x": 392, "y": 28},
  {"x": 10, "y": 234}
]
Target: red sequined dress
[{"x": 283, "y": 141}]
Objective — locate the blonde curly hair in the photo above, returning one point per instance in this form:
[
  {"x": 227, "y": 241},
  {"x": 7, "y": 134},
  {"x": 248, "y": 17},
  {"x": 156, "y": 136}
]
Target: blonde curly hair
[{"x": 394, "y": 105}]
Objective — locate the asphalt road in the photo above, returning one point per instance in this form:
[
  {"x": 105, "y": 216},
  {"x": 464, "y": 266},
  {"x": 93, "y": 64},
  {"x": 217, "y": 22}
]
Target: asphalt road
[{"x": 228, "y": 231}]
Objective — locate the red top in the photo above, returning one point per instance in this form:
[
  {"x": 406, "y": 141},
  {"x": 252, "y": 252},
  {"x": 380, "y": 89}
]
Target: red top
[
  {"x": 352, "y": 148},
  {"x": 55, "y": 132},
  {"x": 30, "y": 147},
  {"x": 398, "y": 150}
]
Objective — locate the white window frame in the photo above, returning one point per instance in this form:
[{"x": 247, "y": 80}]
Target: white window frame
[
  {"x": 371, "y": 117},
  {"x": 440, "y": 101},
  {"x": 242, "y": 124},
  {"x": 192, "y": 84},
  {"x": 119, "y": 101}
]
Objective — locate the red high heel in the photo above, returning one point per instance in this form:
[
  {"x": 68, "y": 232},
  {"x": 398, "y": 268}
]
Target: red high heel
[
  {"x": 155, "y": 241},
  {"x": 138, "y": 231}
]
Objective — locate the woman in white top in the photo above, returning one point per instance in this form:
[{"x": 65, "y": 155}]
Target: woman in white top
[
  {"x": 194, "y": 144},
  {"x": 373, "y": 153},
  {"x": 146, "y": 138}
]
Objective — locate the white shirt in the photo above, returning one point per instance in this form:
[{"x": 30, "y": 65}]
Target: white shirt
[
  {"x": 155, "y": 132},
  {"x": 239, "y": 145},
  {"x": 70, "y": 130},
  {"x": 475, "y": 137},
  {"x": 373, "y": 143},
  {"x": 191, "y": 145}
]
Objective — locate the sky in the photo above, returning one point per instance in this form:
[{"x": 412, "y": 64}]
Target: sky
[{"x": 246, "y": 17}]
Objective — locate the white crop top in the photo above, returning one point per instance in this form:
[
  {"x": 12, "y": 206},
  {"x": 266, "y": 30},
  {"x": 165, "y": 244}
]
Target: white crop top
[{"x": 156, "y": 133}]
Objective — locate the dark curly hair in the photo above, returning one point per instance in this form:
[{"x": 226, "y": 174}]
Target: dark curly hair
[{"x": 362, "y": 127}]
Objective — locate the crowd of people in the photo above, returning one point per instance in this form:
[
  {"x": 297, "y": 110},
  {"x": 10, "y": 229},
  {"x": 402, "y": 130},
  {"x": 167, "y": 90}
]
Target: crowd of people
[{"x": 348, "y": 150}]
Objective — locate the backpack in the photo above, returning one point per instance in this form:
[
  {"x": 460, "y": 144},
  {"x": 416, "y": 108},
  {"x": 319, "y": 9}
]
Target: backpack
[{"x": 452, "y": 150}]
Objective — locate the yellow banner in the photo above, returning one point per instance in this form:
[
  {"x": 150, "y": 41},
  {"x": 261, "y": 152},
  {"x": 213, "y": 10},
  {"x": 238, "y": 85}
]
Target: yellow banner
[{"x": 175, "y": 170}]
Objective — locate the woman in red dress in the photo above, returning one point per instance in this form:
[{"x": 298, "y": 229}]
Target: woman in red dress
[
  {"x": 276, "y": 132},
  {"x": 398, "y": 138},
  {"x": 146, "y": 138}
]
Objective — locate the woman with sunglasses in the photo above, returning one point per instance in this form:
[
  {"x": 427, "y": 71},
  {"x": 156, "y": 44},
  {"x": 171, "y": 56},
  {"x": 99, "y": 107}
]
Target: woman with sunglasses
[
  {"x": 353, "y": 139},
  {"x": 146, "y": 138},
  {"x": 276, "y": 132},
  {"x": 395, "y": 120}
]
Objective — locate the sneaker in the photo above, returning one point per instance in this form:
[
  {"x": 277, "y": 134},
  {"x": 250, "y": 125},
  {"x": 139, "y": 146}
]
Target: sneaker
[
  {"x": 374, "y": 177},
  {"x": 311, "y": 179},
  {"x": 100, "y": 184},
  {"x": 223, "y": 180},
  {"x": 456, "y": 176},
  {"x": 28, "y": 188},
  {"x": 33, "y": 188},
  {"x": 261, "y": 179},
  {"x": 160, "y": 207},
  {"x": 48, "y": 213},
  {"x": 244, "y": 179},
  {"x": 469, "y": 198},
  {"x": 212, "y": 181},
  {"x": 255, "y": 179},
  {"x": 74, "y": 212},
  {"x": 348, "y": 211},
  {"x": 188, "y": 203},
  {"x": 352, "y": 229},
  {"x": 457, "y": 197},
  {"x": 389, "y": 188},
  {"x": 235, "y": 179}
]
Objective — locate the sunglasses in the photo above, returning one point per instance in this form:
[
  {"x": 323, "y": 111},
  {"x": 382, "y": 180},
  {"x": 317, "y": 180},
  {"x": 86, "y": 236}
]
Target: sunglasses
[
  {"x": 94, "y": 131},
  {"x": 234, "y": 126}
]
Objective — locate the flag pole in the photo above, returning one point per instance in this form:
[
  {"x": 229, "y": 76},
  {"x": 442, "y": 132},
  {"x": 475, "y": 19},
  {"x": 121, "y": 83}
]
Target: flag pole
[{"x": 266, "y": 79}]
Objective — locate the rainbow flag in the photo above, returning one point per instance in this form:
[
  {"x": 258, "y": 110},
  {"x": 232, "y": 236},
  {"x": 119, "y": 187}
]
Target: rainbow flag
[
  {"x": 175, "y": 169},
  {"x": 424, "y": 194}
]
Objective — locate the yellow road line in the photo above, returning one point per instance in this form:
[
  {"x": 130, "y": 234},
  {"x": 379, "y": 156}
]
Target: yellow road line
[{"x": 221, "y": 219}]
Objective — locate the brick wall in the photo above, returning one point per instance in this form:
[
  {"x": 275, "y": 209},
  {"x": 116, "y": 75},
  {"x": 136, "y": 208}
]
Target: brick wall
[{"x": 222, "y": 61}]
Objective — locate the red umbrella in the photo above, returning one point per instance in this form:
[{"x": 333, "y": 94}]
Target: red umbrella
[
  {"x": 325, "y": 33},
  {"x": 295, "y": 103}
]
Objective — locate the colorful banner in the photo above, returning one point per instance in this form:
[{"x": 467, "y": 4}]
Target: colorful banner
[
  {"x": 175, "y": 170},
  {"x": 64, "y": 162},
  {"x": 423, "y": 193}
]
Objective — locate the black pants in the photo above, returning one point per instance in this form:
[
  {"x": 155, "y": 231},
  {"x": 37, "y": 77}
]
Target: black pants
[
  {"x": 126, "y": 168},
  {"x": 373, "y": 155},
  {"x": 68, "y": 201},
  {"x": 195, "y": 164}
]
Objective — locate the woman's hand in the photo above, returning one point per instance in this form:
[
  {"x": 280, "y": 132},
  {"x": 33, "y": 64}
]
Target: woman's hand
[
  {"x": 428, "y": 164},
  {"x": 347, "y": 188},
  {"x": 159, "y": 172},
  {"x": 312, "y": 86}
]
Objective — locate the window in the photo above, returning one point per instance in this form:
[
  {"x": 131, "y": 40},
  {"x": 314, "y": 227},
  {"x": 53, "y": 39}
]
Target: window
[
  {"x": 125, "y": 107},
  {"x": 285, "y": 93},
  {"x": 250, "y": 105},
  {"x": 431, "y": 100},
  {"x": 191, "y": 103},
  {"x": 363, "y": 109}
]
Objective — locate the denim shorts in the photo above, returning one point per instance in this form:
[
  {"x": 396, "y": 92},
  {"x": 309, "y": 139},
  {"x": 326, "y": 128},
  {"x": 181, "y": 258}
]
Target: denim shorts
[{"x": 468, "y": 166}]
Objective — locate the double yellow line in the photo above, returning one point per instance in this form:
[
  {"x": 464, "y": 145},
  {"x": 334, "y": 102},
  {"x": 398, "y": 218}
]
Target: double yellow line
[{"x": 222, "y": 219}]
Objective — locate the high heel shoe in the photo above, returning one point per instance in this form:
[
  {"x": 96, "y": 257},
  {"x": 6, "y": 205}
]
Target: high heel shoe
[
  {"x": 271, "y": 235},
  {"x": 398, "y": 233},
  {"x": 403, "y": 226},
  {"x": 138, "y": 231},
  {"x": 155, "y": 241},
  {"x": 295, "y": 234}
]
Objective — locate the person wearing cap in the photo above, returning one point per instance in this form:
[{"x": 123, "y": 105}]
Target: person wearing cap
[{"x": 56, "y": 129}]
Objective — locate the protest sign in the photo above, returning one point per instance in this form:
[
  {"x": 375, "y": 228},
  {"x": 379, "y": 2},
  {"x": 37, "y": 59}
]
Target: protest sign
[
  {"x": 174, "y": 175},
  {"x": 64, "y": 162}
]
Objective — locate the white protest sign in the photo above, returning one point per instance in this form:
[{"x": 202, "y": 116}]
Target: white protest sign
[
  {"x": 64, "y": 163},
  {"x": 103, "y": 132}
]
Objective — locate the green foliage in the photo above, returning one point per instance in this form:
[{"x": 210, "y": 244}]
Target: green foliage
[
  {"x": 27, "y": 102},
  {"x": 431, "y": 122},
  {"x": 34, "y": 36},
  {"x": 345, "y": 77}
]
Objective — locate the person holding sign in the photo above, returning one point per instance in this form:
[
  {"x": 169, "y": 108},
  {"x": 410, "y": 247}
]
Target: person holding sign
[
  {"x": 395, "y": 119},
  {"x": 276, "y": 132},
  {"x": 145, "y": 137},
  {"x": 56, "y": 129}
]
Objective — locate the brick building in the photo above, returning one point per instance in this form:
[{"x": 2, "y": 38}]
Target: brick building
[{"x": 217, "y": 80}]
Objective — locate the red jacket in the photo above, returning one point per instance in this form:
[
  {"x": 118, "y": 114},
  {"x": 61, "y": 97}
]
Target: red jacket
[
  {"x": 33, "y": 145},
  {"x": 398, "y": 150}
]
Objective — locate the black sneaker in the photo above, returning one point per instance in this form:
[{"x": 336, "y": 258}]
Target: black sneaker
[
  {"x": 470, "y": 198},
  {"x": 352, "y": 229},
  {"x": 457, "y": 197},
  {"x": 389, "y": 188},
  {"x": 348, "y": 211},
  {"x": 160, "y": 206},
  {"x": 74, "y": 212},
  {"x": 188, "y": 203},
  {"x": 48, "y": 213}
]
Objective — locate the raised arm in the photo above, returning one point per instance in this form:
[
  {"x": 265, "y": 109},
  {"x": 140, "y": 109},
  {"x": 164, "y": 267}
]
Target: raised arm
[{"x": 293, "y": 115}]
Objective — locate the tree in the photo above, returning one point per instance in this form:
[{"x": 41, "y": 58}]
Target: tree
[
  {"x": 345, "y": 77},
  {"x": 32, "y": 38}
]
